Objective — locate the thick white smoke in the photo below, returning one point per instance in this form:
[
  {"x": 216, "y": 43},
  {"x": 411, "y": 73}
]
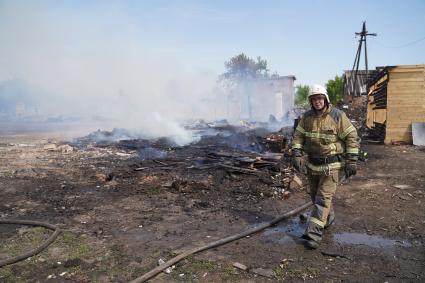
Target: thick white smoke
[{"x": 97, "y": 62}]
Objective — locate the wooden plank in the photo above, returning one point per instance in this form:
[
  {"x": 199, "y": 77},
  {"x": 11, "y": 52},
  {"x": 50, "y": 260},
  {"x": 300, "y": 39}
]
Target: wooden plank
[
  {"x": 399, "y": 125},
  {"x": 407, "y": 80},
  {"x": 399, "y": 101},
  {"x": 419, "y": 94},
  {"x": 419, "y": 110},
  {"x": 405, "y": 75},
  {"x": 411, "y": 109},
  {"x": 401, "y": 68},
  {"x": 412, "y": 105},
  {"x": 401, "y": 122},
  {"x": 404, "y": 87},
  {"x": 407, "y": 69},
  {"x": 397, "y": 132},
  {"x": 403, "y": 134},
  {"x": 397, "y": 139},
  {"x": 401, "y": 84},
  {"x": 406, "y": 94},
  {"x": 418, "y": 117},
  {"x": 417, "y": 91},
  {"x": 399, "y": 108}
]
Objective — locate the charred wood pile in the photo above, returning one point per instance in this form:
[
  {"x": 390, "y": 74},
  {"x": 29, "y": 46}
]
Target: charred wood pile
[{"x": 255, "y": 158}]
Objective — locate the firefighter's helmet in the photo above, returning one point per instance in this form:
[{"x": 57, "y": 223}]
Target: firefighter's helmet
[{"x": 318, "y": 89}]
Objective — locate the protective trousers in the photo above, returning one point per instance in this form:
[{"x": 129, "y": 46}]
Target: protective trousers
[{"x": 322, "y": 190}]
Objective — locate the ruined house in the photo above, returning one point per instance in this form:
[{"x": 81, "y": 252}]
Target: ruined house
[
  {"x": 396, "y": 99},
  {"x": 356, "y": 87},
  {"x": 17, "y": 99},
  {"x": 257, "y": 99}
]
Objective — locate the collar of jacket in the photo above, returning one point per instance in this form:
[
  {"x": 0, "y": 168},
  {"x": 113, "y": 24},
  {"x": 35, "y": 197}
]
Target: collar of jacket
[{"x": 324, "y": 112}]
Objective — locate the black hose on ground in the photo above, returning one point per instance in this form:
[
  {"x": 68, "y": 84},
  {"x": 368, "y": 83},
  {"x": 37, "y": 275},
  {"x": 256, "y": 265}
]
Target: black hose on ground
[
  {"x": 217, "y": 243},
  {"x": 36, "y": 250}
]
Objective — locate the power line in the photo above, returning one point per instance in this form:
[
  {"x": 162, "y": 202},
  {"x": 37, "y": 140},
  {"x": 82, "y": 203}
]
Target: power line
[{"x": 402, "y": 45}]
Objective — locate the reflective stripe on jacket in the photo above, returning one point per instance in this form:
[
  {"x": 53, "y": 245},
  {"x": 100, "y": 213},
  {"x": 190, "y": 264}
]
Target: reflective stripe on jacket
[{"x": 324, "y": 135}]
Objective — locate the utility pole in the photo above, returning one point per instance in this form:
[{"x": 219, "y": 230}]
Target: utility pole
[{"x": 363, "y": 38}]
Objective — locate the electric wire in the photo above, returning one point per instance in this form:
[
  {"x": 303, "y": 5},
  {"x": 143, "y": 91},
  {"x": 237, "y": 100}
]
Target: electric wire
[{"x": 399, "y": 46}]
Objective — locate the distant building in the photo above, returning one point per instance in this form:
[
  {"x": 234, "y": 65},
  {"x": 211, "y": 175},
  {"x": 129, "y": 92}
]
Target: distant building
[
  {"x": 17, "y": 99},
  {"x": 356, "y": 87},
  {"x": 257, "y": 99}
]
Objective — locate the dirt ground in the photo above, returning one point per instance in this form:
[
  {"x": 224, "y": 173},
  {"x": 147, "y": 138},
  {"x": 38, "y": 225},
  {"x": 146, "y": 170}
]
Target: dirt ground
[{"x": 121, "y": 213}]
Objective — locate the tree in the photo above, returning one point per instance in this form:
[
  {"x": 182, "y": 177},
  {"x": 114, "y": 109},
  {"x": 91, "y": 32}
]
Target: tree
[
  {"x": 301, "y": 94},
  {"x": 335, "y": 89},
  {"x": 241, "y": 67}
]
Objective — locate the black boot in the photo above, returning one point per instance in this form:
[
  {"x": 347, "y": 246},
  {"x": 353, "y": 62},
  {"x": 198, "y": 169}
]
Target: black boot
[{"x": 309, "y": 242}]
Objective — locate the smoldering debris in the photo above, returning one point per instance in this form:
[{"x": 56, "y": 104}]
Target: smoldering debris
[{"x": 233, "y": 149}]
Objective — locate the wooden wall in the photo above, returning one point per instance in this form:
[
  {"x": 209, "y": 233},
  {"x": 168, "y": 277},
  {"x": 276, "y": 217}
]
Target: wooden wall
[
  {"x": 375, "y": 115},
  {"x": 405, "y": 102}
]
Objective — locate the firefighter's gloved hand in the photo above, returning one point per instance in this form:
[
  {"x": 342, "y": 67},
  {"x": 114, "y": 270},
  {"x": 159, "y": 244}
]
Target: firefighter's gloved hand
[
  {"x": 297, "y": 160},
  {"x": 350, "y": 168}
]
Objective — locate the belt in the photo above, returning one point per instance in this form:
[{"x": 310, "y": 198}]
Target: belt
[{"x": 325, "y": 160}]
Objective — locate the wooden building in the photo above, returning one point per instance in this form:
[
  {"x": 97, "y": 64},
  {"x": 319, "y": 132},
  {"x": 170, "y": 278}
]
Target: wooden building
[
  {"x": 396, "y": 99},
  {"x": 355, "y": 87}
]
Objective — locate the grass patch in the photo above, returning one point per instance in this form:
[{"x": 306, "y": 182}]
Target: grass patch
[
  {"x": 24, "y": 242},
  {"x": 66, "y": 247},
  {"x": 228, "y": 272},
  {"x": 192, "y": 269}
]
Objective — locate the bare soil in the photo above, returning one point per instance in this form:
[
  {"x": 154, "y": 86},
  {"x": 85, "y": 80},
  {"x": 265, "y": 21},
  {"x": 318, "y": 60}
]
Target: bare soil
[{"x": 121, "y": 211}]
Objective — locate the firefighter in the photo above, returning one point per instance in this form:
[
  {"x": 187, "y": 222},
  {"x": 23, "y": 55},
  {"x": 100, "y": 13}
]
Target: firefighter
[{"x": 328, "y": 139}]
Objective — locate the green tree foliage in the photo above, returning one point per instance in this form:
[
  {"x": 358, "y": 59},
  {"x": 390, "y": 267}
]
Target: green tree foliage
[
  {"x": 241, "y": 68},
  {"x": 335, "y": 89},
  {"x": 301, "y": 94}
]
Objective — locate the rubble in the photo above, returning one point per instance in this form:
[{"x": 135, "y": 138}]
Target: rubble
[
  {"x": 240, "y": 266},
  {"x": 164, "y": 197},
  {"x": 50, "y": 147},
  {"x": 268, "y": 273},
  {"x": 296, "y": 183}
]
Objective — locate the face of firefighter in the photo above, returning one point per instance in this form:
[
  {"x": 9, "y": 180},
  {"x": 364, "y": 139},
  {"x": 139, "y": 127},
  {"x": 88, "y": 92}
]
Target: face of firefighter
[{"x": 318, "y": 102}]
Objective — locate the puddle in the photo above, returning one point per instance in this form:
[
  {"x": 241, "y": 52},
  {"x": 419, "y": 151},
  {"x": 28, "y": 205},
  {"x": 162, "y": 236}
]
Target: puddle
[
  {"x": 286, "y": 232},
  {"x": 369, "y": 240}
]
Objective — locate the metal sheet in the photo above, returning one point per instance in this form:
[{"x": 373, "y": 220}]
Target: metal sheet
[{"x": 418, "y": 133}]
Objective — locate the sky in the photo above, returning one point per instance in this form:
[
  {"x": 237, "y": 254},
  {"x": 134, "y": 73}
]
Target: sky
[{"x": 118, "y": 55}]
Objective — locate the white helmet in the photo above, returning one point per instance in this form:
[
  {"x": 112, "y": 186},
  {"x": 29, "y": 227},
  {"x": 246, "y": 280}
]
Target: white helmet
[{"x": 318, "y": 89}]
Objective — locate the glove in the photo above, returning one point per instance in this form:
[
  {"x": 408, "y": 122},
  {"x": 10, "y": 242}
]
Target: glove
[
  {"x": 297, "y": 160},
  {"x": 350, "y": 168}
]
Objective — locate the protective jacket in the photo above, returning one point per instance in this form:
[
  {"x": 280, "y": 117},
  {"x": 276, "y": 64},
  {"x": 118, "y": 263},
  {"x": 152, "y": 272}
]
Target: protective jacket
[{"x": 325, "y": 139}]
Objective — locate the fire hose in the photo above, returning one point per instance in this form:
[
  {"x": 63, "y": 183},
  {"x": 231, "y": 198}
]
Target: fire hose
[
  {"x": 217, "y": 243},
  {"x": 37, "y": 250}
]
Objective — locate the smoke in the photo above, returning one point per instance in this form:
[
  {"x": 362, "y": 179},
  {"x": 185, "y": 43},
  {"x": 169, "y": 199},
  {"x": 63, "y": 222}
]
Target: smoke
[{"x": 100, "y": 62}]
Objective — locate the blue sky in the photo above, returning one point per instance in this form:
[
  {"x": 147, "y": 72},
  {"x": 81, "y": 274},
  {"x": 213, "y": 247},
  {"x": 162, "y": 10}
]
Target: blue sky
[{"x": 313, "y": 40}]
